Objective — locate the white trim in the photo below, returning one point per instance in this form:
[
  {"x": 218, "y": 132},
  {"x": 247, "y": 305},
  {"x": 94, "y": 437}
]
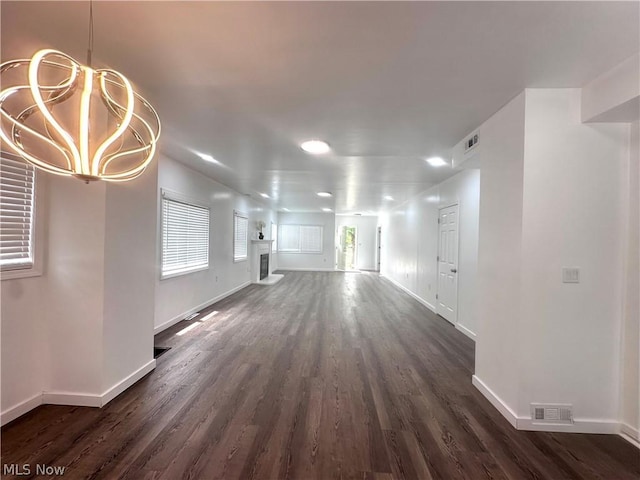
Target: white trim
[
  {"x": 630, "y": 434},
  {"x": 584, "y": 425},
  {"x": 466, "y": 331},
  {"x": 127, "y": 382},
  {"x": 410, "y": 293},
  {"x": 180, "y": 317},
  {"x": 20, "y": 409},
  {"x": 306, "y": 269},
  {"x": 72, "y": 398},
  {"x": 502, "y": 407}
]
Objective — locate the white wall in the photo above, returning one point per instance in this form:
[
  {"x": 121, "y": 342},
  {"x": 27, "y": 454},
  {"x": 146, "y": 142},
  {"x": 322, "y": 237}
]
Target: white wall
[
  {"x": 366, "y": 231},
  {"x": 630, "y": 360},
  {"x": 572, "y": 215},
  {"x": 184, "y": 294},
  {"x": 23, "y": 347},
  {"x": 613, "y": 96},
  {"x": 551, "y": 197},
  {"x": 319, "y": 261},
  {"x": 410, "y": 243},
  {"x": 499, "y": 256},
  {"x": 130, "y": 253},
  {"x": 74, "y": 288}
]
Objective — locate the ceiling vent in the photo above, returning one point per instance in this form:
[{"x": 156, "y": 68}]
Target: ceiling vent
[
  {"x": 552, "y": 413},
  {"x": 471, "y": 142}
]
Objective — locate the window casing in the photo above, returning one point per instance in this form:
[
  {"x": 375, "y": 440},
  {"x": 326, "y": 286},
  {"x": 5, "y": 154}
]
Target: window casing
[
  {"x": 185, "y": 236},
  {"x": 274, "y": 237},
  {"x": 17, "y": 216},
  {"x": 240, "y": 236},
  {"x": 300, "y": 239}
]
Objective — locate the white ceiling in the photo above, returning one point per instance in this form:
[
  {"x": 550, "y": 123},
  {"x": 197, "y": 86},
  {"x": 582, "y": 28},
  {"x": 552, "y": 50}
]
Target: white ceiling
[{"x": 386, "y": 84}]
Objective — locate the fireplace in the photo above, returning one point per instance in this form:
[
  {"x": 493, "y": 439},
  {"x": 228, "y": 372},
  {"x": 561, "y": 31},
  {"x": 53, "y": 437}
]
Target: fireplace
[{"x": 264, "y": 265}]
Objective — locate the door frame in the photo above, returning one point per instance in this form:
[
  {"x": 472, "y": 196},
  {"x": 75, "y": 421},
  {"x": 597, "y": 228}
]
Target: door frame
[{"x": 440, "y": 208}]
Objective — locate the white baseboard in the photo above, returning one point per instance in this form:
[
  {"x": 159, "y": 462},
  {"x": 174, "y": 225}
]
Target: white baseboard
[
  {"x": 412, "y": 294},
  {"x": 74, "y": 398},
  {"x": 502, "y": 407},
  {"x": 466, "y": 331},
  {"x": 283, "y": 269},
  {"x": 127, "y": 382},
  {"x": 580, "y": 425},
  {"x": 630, "y": 434},
  {"x": 20, "y": 409},
  {"x": 178, "y": 318}
]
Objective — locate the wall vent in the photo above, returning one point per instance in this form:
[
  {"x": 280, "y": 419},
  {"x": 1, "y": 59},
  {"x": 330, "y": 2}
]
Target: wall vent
[
  {"x": 552, "y": 413},
  {"x": 471, "y": 142},
  {"x": 192, "y": 316}
]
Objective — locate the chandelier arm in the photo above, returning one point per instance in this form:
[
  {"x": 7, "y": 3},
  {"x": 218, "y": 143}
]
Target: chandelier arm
[
  {"x": 37, "y": 96},
  {"x": 126, "y": 120},
  {"x": 14, "y": 144}
]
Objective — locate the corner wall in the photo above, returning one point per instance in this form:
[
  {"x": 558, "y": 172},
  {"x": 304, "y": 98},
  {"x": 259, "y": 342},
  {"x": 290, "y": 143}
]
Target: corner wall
[
  {"x": 179, "y": 296},
  {"x": 539, "y": 339}
]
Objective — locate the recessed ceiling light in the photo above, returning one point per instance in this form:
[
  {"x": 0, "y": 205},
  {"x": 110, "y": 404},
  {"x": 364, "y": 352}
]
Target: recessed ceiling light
[
  {"x": 388, "y": 197},
  {"x": 264, "y": 195},
  {"x": 315, "y": 146},
  {"x": 326, "y": 209},
  {"x": 324, "y": 194},
  {"x": 285, "y": 209},
  {"x": 436, "y": 162},
  {"x": 207, "y": 158}
]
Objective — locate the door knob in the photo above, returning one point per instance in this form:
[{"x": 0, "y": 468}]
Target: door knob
[{"x": 454, "y": 270}]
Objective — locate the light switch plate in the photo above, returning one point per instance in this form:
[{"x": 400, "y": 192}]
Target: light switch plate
[{"x": 570, "y": 275}]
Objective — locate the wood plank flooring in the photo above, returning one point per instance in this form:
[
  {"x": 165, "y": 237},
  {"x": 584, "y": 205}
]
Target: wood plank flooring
[{"x": 322, "y": 376}]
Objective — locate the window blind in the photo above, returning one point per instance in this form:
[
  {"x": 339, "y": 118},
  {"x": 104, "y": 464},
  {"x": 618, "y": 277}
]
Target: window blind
[
  {"x": 185, "y": 237},
  {"x": 300, "y": 238},
  {"x": 17, "y": 182},
  {"x": 240, "y": 236}
]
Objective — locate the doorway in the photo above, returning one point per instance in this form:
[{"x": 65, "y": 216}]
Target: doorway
[
  {"x": 378, "y": 248},
  {"x": 447, "y": 297},
  {"x": 347, "y": 251}
]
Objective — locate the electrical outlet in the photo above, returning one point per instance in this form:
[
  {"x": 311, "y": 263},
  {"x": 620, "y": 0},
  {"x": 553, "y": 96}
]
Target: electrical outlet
[{"x": 570, "y": 275}]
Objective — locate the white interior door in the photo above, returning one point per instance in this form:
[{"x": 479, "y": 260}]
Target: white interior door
[{"x": 447, "y": 300}]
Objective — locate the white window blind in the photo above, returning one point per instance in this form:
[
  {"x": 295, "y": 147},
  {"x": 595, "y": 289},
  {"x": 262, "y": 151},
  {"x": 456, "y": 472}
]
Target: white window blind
[
  {"x": 185, "y": 237},
  {"x": 240, "y": 236},
  {"x": 300, "y": 239},
  {"x": 17, "y": 182},
  {"x": 274, "y": 237}
]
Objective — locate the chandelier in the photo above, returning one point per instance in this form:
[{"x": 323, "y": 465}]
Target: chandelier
[{"x": 70, "y": 119}]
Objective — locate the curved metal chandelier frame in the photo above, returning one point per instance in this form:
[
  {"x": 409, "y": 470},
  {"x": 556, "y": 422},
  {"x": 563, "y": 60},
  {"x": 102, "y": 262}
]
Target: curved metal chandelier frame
[{"x": 52, "y": 118}]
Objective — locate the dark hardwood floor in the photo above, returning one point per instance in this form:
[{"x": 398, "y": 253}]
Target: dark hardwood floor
[{"x": 324, "y": 375}]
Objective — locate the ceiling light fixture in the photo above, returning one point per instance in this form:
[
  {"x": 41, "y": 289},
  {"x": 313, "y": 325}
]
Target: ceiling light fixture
[
  {"x": 326, "y": 209},
  {"x": 324, "y": 194},
  {"x": 388, "y": 197},
  {"x": 436, "y": 162},
  {"x": 69, "y": 119},
  {"x": 316, "y": 147},
  {"x": 264, "y": 195},
  {"x": 286, "y": 210}
]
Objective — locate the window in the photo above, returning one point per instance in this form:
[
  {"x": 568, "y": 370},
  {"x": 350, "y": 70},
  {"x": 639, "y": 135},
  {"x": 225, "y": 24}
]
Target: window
[
  {"x": 300, "y": 239},
  {"x": 185, "y": 236},
  {"x": 274, "y": 237},
  {"x": 17, "y": 183},
  {"x": 240, "y": 236}
]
